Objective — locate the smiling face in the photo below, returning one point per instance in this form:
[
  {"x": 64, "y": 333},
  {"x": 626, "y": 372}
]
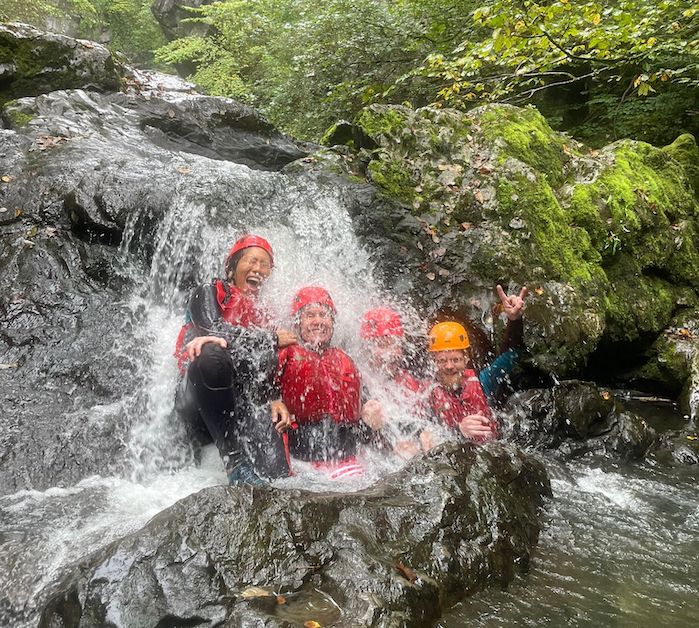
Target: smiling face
[
  {"x": 385, "y": 353},
  {"x": 316, "y": 325},
  {"x": 251, "y": 271},
  {"x": 450, "y": 367}
]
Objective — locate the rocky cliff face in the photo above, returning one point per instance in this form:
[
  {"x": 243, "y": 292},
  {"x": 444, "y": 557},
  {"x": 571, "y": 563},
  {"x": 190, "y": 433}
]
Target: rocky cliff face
[{"x": 79, "y": 168}]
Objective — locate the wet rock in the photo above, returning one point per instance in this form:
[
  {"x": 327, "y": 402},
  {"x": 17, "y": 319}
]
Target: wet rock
[
  {"x": 678, "y": 448},
  {"x": 605, "y": 240},
  {"x": 34, "y": 62},
  {"x": 576, "y": 418},
  {"x": 672, "y": 364},
  {"x": 79, "y": 170},
  {"x": 457, "y": 520},
  {"x": 170, "y": 13}
]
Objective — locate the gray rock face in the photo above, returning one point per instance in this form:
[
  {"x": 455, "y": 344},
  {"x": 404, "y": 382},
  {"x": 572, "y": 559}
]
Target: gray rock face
[
  {"x": 576, "y": 418},
  {"x": 170, "y": 14},
  {"x": 392, "y": 555},
  {"x": 33, "y": 62},
  {"x": 79, "y": 170}
]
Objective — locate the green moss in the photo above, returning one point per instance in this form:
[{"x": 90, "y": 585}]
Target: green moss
[
  {"x": 377, "y": 120},
  {"x": 18, "y": 118},
  {"x": 640, "y": 205},
  {"x": 546, "y": 236},
  {"x": 584, "y": 208},
  {"x": 527, "y": 136},
  {"x": 392, "y": 176},
  {"x": 15, "y": 115},
  {"x": 637, "y": 304},
  {"x": 338, "y": 133},
  {"x": 686, "y": 152}
]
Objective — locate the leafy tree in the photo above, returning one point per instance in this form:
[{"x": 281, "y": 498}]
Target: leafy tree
[
  {"x": 308, "y": 63},
  {"x": 597, "y": 68},
  {"x": 131, "y": 24},
  {"x": 604, "y": 53}
]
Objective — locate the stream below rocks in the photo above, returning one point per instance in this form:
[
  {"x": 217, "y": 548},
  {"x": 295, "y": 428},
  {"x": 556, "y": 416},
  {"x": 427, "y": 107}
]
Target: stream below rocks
[{"x": 619, "y": 547}]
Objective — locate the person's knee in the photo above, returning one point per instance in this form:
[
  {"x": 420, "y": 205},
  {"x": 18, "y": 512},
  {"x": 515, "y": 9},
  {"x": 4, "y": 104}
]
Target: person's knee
[{"x": 214, "y": 366}]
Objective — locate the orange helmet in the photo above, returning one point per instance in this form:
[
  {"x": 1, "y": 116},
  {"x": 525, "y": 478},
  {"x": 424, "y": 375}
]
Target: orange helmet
[
  {"x": 448, "y": 336},
  {"x": 380, "y": 322}
]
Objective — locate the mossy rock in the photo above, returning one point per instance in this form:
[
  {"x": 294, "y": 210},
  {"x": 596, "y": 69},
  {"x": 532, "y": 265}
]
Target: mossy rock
[
  {"x": 17, "y": 113},
  {"x": 640, "y": 204},
  {"x": 607, "y": 241},
  {"x": 673, "y": 361},
  {"x": 685, "y": 151},
  {"x": 37, "y": 63},
  {"x": 523, "y": 133}
]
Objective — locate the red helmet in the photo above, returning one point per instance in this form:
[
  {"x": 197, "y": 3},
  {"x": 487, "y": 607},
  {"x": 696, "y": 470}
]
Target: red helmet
[
  {"x": 312, "y": 294},
  {"x": 379, "y": 322},
  {"x": 246, "y": 242}
]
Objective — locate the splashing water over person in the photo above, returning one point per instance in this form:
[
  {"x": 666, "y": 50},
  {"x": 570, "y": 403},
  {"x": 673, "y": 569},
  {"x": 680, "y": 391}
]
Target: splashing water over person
[
  {"x": 226, "y": 354},
  {"x": 322, "y": 388}
]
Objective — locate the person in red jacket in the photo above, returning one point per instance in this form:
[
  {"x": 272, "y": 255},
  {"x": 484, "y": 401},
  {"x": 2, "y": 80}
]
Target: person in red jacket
[
  {"x": 384, "y": 337},
  {"x": 321, "y": 387},
  {"x": 226, "y": 353},
  {"x": 458, "y": 399}
]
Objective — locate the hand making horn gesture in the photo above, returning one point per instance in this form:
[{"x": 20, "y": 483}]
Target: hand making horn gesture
[{"x": 513, "y": 305}]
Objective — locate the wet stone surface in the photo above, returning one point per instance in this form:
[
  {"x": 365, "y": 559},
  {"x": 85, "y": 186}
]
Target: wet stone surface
[{"x": 397, "y": 553}]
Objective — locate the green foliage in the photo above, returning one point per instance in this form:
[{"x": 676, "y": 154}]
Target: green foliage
[
  {"x": 628, "y": 68},
  {"x": 28, "y": 11},
  {"x": 307, "y": 64},
  {"x": 528, "y": 46},
  {"x": 130, "y": 23},
  {"x": 623, "y": 69}
]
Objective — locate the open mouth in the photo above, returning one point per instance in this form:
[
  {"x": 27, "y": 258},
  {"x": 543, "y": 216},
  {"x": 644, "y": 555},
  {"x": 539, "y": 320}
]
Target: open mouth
[{"x": 254, "y": 282}]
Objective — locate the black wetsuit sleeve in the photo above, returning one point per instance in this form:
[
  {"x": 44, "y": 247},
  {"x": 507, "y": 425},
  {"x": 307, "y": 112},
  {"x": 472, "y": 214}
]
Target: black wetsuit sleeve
[
  {"x": 205, "y": 314},
  {"x": 252, "y": 346},
  {"x": 514, "y": 335}
]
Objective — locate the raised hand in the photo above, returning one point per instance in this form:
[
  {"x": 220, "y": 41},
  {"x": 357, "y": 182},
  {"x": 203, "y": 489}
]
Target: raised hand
[{"x": 513, "y": 305}]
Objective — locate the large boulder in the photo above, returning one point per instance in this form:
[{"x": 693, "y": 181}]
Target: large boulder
[
  {"x": 672, "y": 363},
  {"x": 33, "y": 62},
  {"x": 575, "y": 419},
  {"x": 606, "y": 240},
  {"x": 398, "y": 553}
]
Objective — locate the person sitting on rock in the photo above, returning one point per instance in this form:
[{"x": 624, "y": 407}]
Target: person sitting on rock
[
  {"x": 460, "y": 397},
  {"x": 322, "y": 389},
  {"x": 226, "y": 354},
  {"x": 383, "y": 336}
]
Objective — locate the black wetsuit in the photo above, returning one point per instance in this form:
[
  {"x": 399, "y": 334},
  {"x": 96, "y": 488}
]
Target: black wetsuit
[{"x": 224, "y": 394}]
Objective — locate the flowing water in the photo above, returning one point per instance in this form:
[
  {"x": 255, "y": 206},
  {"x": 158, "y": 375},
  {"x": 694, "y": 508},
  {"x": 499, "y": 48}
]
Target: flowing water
[
  {"x": 620, "y": 549},
  {"x": 620, "y": 546}
]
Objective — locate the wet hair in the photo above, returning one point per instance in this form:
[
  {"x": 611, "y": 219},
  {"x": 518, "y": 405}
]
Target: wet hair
[{"x": 233, "y": 261}]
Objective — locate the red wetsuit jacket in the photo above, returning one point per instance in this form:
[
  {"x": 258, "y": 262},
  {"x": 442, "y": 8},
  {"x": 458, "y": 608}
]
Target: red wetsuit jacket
[
  {"x": 407, "y": 382},
  {"x": 322, "y": 390},
  {"x": 317, "y": 385},
  {"x": 450, "y": 407}
]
